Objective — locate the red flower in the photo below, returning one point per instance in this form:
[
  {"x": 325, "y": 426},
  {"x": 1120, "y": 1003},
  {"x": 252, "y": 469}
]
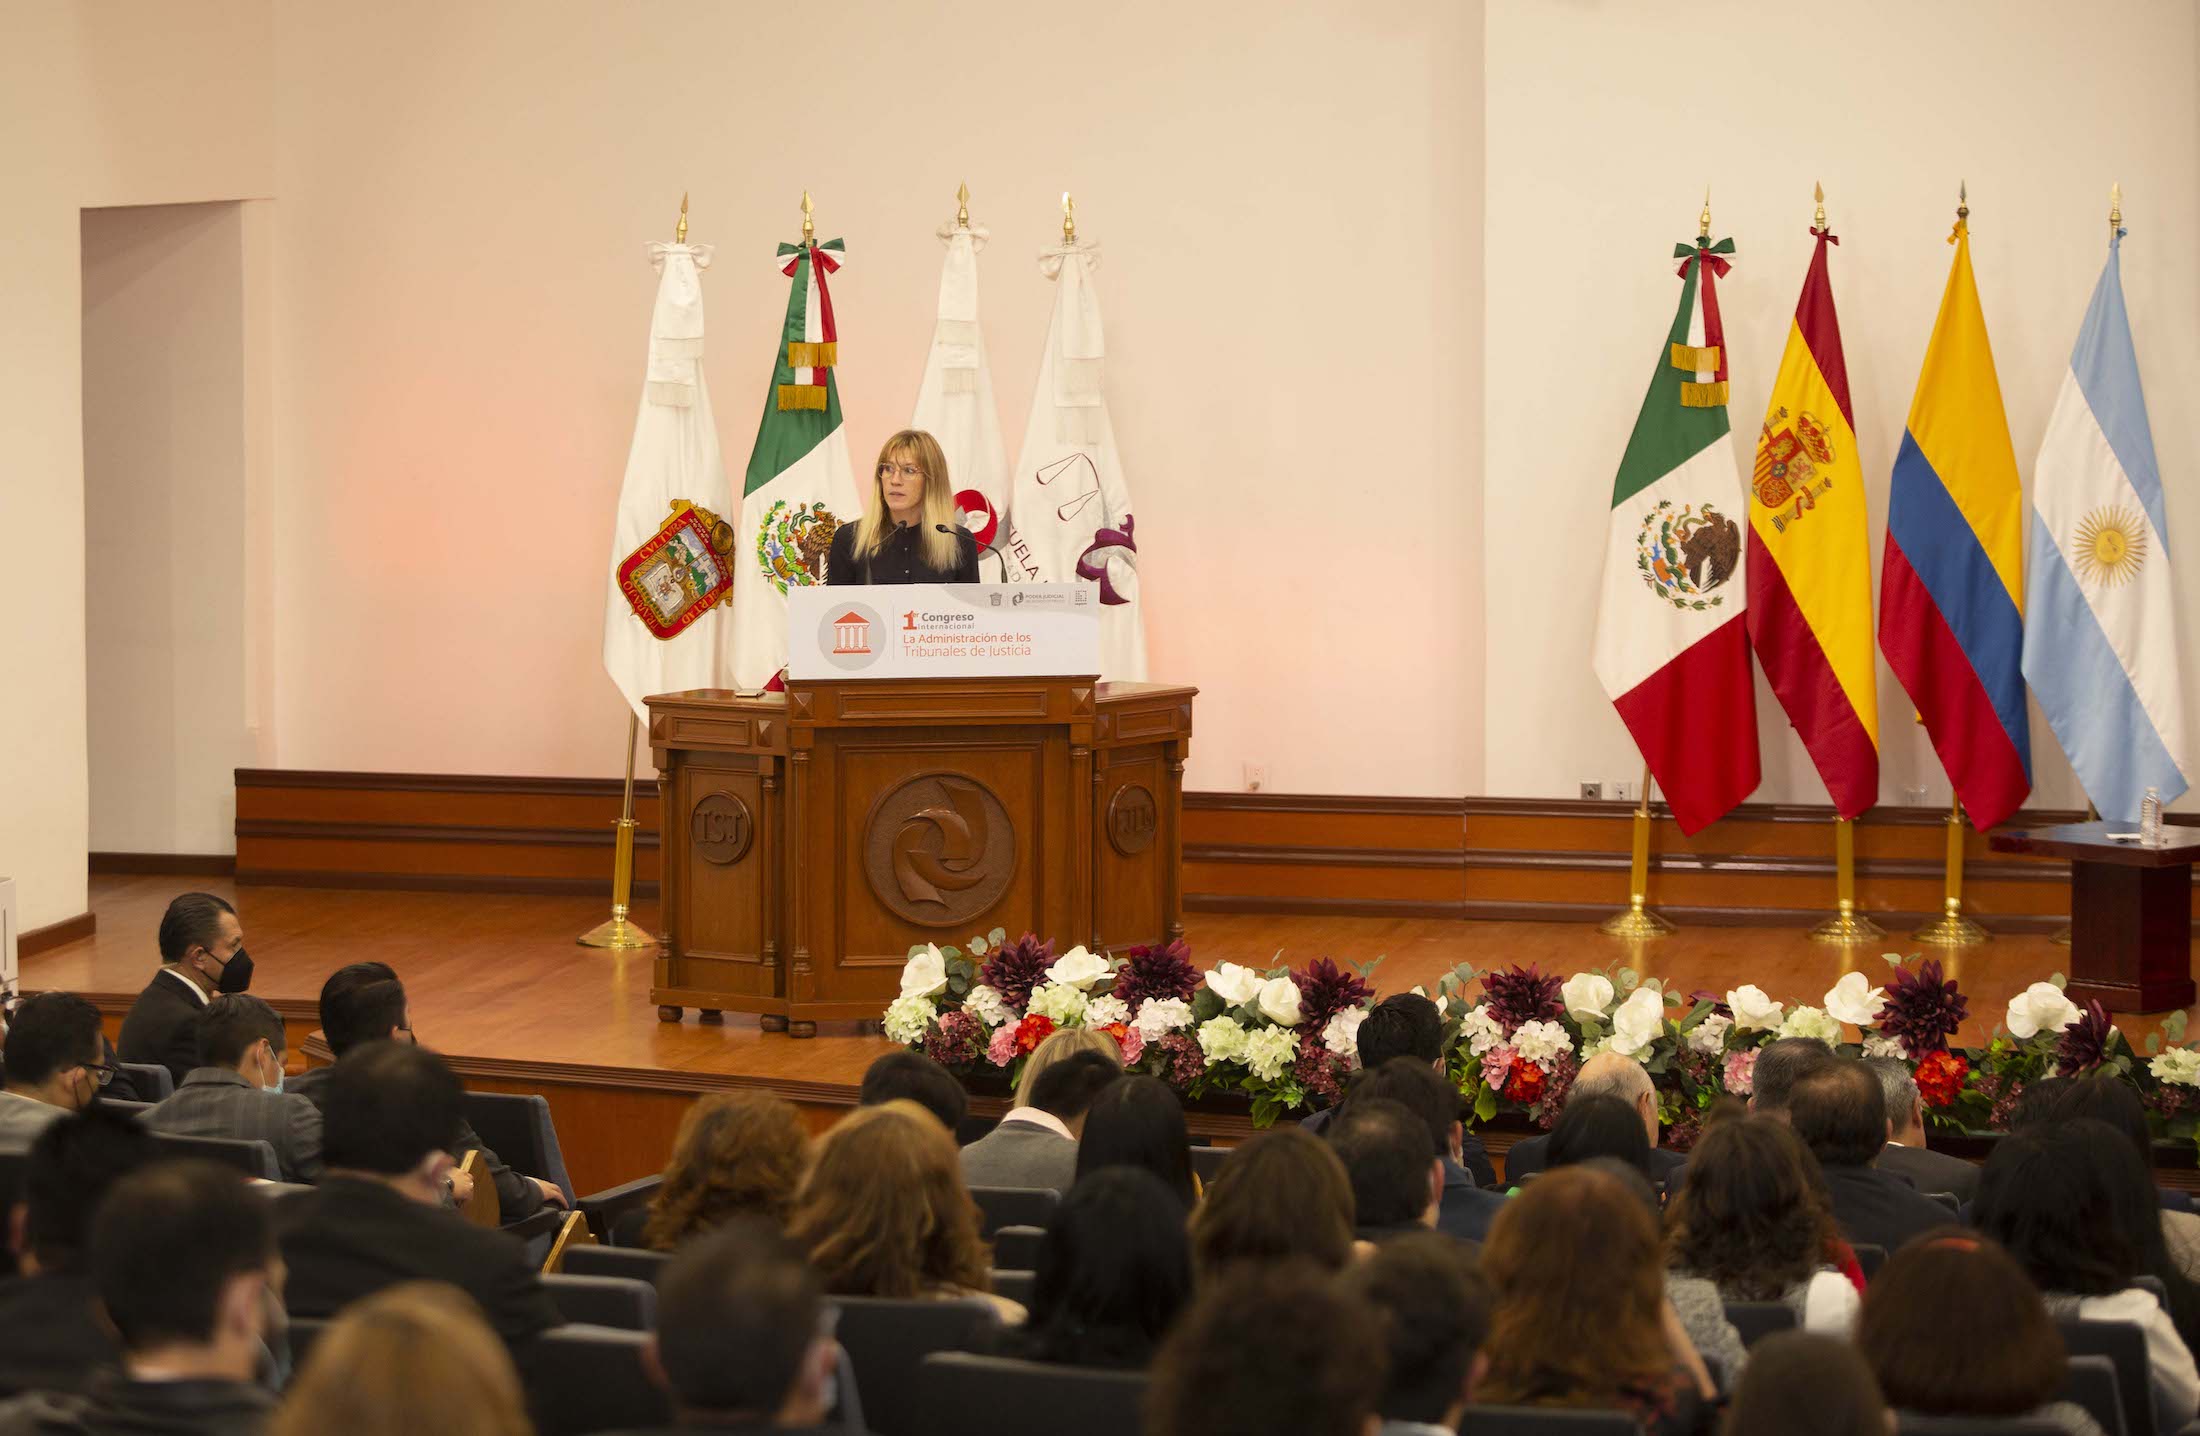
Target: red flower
[
  {"x": 1525, "y": 1082},
  {"x": 1940, "y": 1077},
  {"x": 1032, "y": 1031}
]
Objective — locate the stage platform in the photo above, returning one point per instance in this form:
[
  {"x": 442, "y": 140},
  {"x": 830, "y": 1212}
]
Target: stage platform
[{"x": 499, "y": 985}]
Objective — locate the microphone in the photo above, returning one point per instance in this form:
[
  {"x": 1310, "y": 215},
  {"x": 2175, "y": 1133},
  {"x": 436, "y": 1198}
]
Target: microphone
[{"x": 983, "y": 548}]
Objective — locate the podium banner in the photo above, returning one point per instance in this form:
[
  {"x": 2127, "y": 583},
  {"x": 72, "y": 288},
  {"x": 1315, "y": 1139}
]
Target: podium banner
[{"x": 943, "y": 630}]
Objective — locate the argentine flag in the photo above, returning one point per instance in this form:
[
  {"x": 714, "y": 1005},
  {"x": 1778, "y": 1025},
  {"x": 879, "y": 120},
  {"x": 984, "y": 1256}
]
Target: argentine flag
[{"x": 2100, "y": 634}]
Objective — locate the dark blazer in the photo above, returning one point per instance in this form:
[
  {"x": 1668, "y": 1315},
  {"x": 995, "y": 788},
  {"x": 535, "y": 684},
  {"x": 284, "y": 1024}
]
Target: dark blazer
[
  {"x": 1881, "y": 1208},
  {"x": 518, "y": 1198},
  {"x": 1529, "y": 1155},
  {"x": 899, "y": 560},
  {"x": 162, "y": 1027},
  {"x": 1467, "y": 1210},
  {"x": 51, "y": 1337},
  {"x": 117, "y": 1406},
  {"x": 1021, "y": 1154},
  {"x": 216, "y": 1102},
  {"x": 1472, "y": 1154},
  {"x": 349, "y": 1238},
  {"x": 1931, "y": 1171}
]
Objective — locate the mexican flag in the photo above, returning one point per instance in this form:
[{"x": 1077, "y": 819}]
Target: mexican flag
[
  {"x": 1672, "y": 650},
  {"x": 799, "y": 486}
]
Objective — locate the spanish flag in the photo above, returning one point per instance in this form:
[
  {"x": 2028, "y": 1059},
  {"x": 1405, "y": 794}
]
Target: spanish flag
[
  {"x": 1810, "y": 576},
  {"x": 1951, "y": 584}
]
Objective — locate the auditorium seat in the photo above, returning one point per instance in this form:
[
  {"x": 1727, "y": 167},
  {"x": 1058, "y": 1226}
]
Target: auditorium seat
[
  {"x": 2125, "y": 1347},
  {"x": 584, "y": 1379},
  {"x": 1015, "y": 1207},
  {"x": 886, "y": 1340},
  {"x": 1206, "y": 1161},
  {"x": 2092, "y": 1384},
  {"x": 126, "y": 1107},
  {"x": 151, "y": 1081},
  {"x": 517, "y": 1127},
  {"x": 614, "y": 1301},
  {"x": 632, "y": 1262},
  {"x": 1910, "y": 1424},
  {"x": 1756, "y": 1320},
  {"x": 603, "y": 1209},
  {"x": 1017, "y": 1248},
  {"x": 1017, "y": 1286},
  {"x": 254, "y": 1159},
  {"x": 969, "y": 1395},
  {"x": 1546, "y": 1421},
  {"x": 1869, "y": 1257}
]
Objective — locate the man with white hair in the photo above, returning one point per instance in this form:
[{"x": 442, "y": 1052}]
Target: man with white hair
[
  {"x": 1906, "y": 1154},
  {"x": 1608, "y": 1074}
]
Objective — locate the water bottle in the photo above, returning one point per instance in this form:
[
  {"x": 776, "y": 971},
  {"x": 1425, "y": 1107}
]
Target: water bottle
[{"x": 2150, "y": 818}]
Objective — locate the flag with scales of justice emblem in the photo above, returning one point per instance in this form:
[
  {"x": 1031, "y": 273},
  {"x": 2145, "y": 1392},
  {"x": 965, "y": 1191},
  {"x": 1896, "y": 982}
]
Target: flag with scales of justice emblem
[
  {"x": 955, "y": 397},
  {"x": 1671, "y": 650},
  {"x": 799, "y": 486},
  {"x": 2100, "y": 643}
]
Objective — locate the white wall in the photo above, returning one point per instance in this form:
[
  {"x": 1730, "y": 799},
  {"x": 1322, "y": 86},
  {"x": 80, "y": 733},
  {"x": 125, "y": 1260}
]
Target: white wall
[
  {"x": 1606, "y": 119},
  {"x": 164, "y": 478}
]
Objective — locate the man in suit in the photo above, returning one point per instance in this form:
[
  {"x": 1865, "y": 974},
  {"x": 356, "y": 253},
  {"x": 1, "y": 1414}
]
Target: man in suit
[
  {"x": 1780, "y": 1065},
  {"x": 1438, "y": 1309},
  {"x": 1036, "y": 1145},
  {"x": 1464, "y": 1210},
  {"x": 236, "y": 1091},
  {"x": 1840, "y": 1114},
  {"x": 391, "y": 1117},
  {"x": 1407, "y": 1024},
  {"x": 1906, "y": 1154},
  {"x": 201, "y": 953},
  {"x": 55, "y": 1065},
  {"x": 1391, "y": 1159},
  {"x": 922, "y": 1081},
  {"x": 1608, "y": 1074}
]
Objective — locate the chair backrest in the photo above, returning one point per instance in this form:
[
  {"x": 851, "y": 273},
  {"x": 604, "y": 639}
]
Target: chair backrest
[
  {"x": 614, "y": 1301},
  {"x": 517, "y": 1127},
  {"x": 124, "y": 1105},
  {"x": 1017, "y": 1286},
  {"x": 2092, "y": 1384},
  {"x": 573, "y": 1234},
  {"x": 2148, "y": 1281},
  {"x": 583, "y": 1379},
  {"x": 631, "y": 1262},
  {"x": 2125, "y": 1346},
  {"x": 1015, "y": 1206},
  {"x": 603, "y": 1209},
  {"x": 1756, "y": 1320},
  {"x": 254, "y": 1158},
  {"x": 1869, "y": 1257},
  {"x": 1547, "y": 1421},
  {"x": 1908, "y": 1423},
  {"x": 1206, "y": 1161},
  {"x": 994, "y": 1396},
  {"x": 1948, "y": 1200},
  {"x": 150, "y": 1080},
  {"x": 888, "y": 1339},
  {"x": 482, "y": 1206},
  {"x": 1017, "y": 1248}
]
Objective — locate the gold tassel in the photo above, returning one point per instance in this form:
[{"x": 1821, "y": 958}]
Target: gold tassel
[
  {"x": 1696, "y": 360},
  {"x": 813, "y": 356},
  {"x": 1697, "y": 396},
  {"x": 801, "y": 396}
]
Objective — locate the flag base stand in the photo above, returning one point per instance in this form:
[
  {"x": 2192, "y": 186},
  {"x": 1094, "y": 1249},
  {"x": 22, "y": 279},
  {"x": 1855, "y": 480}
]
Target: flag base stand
[
  {"x": 616, "y": 933},
  {"x": 1952, "y": 928},
  {"x": 1638, "y": 923},
  {"x": 1847, "y": 926}
]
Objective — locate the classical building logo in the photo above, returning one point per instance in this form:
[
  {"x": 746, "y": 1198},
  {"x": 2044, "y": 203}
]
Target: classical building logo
[
  {"x": 851, "y": 633},
  {"x": 850, "y": 636}
]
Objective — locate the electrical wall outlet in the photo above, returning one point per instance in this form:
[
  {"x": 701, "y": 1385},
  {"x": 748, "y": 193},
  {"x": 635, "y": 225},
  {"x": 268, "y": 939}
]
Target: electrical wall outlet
[
  {"x": 1592, "y": 790},
  {"x": 1623, "y": 790},
  {"x": 1256, "y": 776}
]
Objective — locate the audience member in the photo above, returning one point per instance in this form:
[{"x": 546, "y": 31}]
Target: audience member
[
  {"x": 884, "y": 1211},
  {"x": 411, "y": 1360},
  {"x": 1838, "y": 1112},
  {"x": 1693, "y": 1301},
  {"x": 391, "y": 1116},
  {"x": 1581, "y": 1316},
  {"x": 1752, "y": 1218},
  {"x": 1036, "y": 1143},
  {"x": 1114, "y": 1271},
  {"x": 1804, "y": 1383},
  {"x": 743, "y": 1340},
  {"x": 185, "y": 1267},
  {"x": 56, "y": 1065},
  {"x": 736, "y": 1153},
  {"x": 236, "y": 1091},
  {"x": 365, "y": 1003},
  {"x": 2116, "y": 1102},
  {"x": 2073, "y": 1205},
  {"x": 920, "y": 1079},
  {"x": 1906, "y": 1154},
  {"x": 1953, "y": 1327},
  {"x": 1435, "y": 1313},
  {"x": 1608, "y": 1074},
  {"x": 1060, "y": 1046},
  {"x": 1593, "y": 1127},
  {"x": 51, "y": 1336},
  {"x": 1466, "y": 1210},
  {"x": 1280, "y": 1195},
  {"x": 1278, "y": 1350},
  {"x": 201, "y": 953},
  {"x": 1408, "y": 1025},
  {"x": 1780, "y": 1064},
  {"x": 1391, "y": 1162},
  {"x": 1138, "y": 1121}
]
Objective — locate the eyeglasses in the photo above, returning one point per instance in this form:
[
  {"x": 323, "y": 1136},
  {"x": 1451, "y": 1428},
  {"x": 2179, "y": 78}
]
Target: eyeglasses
[
  {"x": 103, "y": 1072},
  {"x": 907, "y": 471}
]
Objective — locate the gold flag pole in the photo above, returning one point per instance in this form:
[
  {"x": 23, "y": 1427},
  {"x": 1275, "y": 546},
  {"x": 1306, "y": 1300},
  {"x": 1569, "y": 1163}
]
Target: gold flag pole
[
  {"x": 962, "y": 205},
  {"x": 1638, "y": 923},
  {"x": 1847, "y": 925},
  {"x": 1952, "y": 928},
  {"x": 1069, "y": 219}
]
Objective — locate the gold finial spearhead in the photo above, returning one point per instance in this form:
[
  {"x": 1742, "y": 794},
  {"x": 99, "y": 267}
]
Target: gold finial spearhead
[
  {"x": 809, "y": 228},
  {"x": 1069, "y": 219},
  {"x": 1963, "y": 199},
  {"x": 2115, "y": 209},
  {"x": 962, "y": 205},
  {"x": 680, "y": 234},
  {"x": 1703, "y": 221},
  {"x": 1818, "y": 192}
]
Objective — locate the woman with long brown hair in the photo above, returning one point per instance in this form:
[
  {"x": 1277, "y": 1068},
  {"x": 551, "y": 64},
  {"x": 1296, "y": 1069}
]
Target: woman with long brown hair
[
  {"x": 1281, "y": 1196},
  {"x": 412, "y": 1360},
  {"x": 911, "y": 531},
  {"x": 737, "y": 1152},
  {"x": 1752, "y": 1217}
]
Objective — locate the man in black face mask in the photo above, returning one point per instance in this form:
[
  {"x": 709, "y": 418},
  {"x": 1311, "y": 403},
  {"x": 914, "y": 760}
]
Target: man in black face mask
[{"x": 201, "y": 953}]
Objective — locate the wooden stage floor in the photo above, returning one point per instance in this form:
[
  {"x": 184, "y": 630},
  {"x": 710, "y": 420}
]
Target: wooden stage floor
[{"x": 498, "y": 983}]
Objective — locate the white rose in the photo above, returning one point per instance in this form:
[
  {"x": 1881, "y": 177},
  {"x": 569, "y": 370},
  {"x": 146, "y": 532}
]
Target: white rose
[
  {"x": 1270, "y": 1051},
  {"x": 1752, "y": 1009},
  {"x": 1709, "y": 1035},
  {"x": 1100, "y": 1011},
  {"x": 2179, "y": 1066},
  {"x": 1811, "y": 1022},
  {"x": 1079, "y": 969},
  {"x": 1878, "y": 1045},
  {"x": 1586, "y": 995},
  {"x": 925, "y": 975},
  {"x": 1066, "y": 1005},
  {"x": 907, "y": 1018},
  {"x": 2040, "y": 1008},
  {"x": 1479, "y": 1030},
  {"x": 1855, "y": 1001},
  {"x": 988, "y": 1006},
  {"x": 1235, "y": 985},
  {"x": 1638, "y": 1022},
  {"x": 1279, "y": 1001},
  {"x": 1539, "y": 1042},
  {"x": 1222, "y": 1039},
  {"x": 1160, "y": 1016},
  {"x": 1341, "y": 1034}
]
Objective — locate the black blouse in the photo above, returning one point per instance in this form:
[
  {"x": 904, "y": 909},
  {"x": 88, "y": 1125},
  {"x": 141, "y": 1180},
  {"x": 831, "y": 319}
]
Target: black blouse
[{"x": 899, "y": 560}]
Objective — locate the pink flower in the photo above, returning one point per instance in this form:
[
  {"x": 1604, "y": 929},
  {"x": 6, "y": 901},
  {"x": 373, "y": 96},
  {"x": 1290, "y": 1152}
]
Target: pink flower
[
  {"x": 1497, "y": 1065},
  {"x": 1741, "y": 1072},
  {"x": 1129, "y": 1039},
  {"x": 1002, "y": 1049}
]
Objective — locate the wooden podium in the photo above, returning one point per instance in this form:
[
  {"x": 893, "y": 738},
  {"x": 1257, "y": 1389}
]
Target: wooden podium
[
  {"x": 2130, "y": 912},
  {"x": 811, "y": 837}
]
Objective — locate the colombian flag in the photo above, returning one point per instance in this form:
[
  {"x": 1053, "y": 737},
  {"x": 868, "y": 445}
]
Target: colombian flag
[
  {"x": 1951, "y": 585},
  {"x": 1810, "y": 577}
]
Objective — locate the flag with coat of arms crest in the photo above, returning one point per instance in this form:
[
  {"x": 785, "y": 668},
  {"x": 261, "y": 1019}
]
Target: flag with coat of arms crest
[{"x": 1671, "y": 647}]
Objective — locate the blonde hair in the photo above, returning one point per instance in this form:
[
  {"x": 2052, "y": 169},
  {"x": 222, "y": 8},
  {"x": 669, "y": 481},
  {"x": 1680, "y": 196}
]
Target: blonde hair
[
  {"x": 885, "y": 1212},
  {"x": 736, "y": 1152},
  {"x": 941, "y": 550},
  {"x": 415, "y": 1359},
  {"x": 1059, "y": 1045}
]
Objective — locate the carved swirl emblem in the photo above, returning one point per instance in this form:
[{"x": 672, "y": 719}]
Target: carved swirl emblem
[
  {"x": 939, "y": 849},
  {"x": 1132, "y": 819},
  {"x": 721, "y": 829}
]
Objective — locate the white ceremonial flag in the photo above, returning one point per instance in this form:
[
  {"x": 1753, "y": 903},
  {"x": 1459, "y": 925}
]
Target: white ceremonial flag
[
  {"x": 673, "y": 461},
  {"x": 955, "y": 397},
  {"x": 1069, "y": 515}
]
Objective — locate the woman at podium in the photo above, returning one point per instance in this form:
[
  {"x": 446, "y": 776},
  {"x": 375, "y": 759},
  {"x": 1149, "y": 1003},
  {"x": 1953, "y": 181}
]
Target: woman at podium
[{"x": 911, "y": 531}]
